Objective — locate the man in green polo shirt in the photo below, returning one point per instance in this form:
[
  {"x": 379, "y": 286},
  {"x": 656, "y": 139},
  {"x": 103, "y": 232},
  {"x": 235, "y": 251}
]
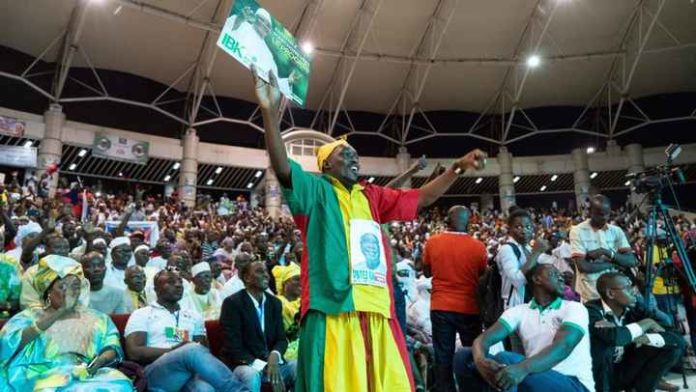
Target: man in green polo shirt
[{"x": 555, "y": 336}]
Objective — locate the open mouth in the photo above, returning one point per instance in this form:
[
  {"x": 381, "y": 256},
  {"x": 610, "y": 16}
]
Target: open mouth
[{"x": 355, "y": 169}]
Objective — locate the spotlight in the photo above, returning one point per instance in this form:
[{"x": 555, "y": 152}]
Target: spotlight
[
  {"x": 533, "y": 61},
  {"x": 218, "y": 170},
  {"x": 514, "y": 180},
  {"x": 543, "y": 188},
  {"x": 554, "y": 177},
  {"x": 176, "y": 166},
  {"x": 479, "y": 180},
  {"x": 593, "y": 175},
  {"x": 307, "y": 47},
  {"x": 82, "y": 153},
  {"x": 258, "y": 174},
  {"x": 250, "y": 185},
  {"x": 590, "y": 150},
  {"x": 209, "y": 182},
  {"x": 167, "y": 178}
]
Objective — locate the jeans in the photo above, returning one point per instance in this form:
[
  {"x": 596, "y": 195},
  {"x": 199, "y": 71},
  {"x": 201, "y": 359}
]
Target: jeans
[
  {"x": 252, "y": 378},
  {"x": 469, "y": 379},
  {"x": 191, "y": 368},
  {"x": 446, "y": 325}
]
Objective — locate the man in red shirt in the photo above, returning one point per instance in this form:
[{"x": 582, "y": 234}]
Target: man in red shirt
[{"x": 456, "y": 261}]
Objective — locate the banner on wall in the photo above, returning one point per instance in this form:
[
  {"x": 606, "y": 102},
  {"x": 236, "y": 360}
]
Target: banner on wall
[
  {"x": 12, "y": 126},
  {"x": 18, "y": 156},
  {"x": 149, "y": 229},
  {"x": 255, "y": 38},
  {"x": 120, "y": 148}
]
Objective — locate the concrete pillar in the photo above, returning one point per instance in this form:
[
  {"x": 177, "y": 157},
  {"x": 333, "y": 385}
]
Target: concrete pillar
[
  {"x": 487, "y": 202},
  {"x": 51, "y": 148},
  {"x": 273, "y": 196},
  {"x": 636, "y": 164},
  {"x": 506, "y": 185},
  {"x": 189, "y": 168},
  {"x": 403, "y": 159},
  {"x": 581, "y": 177}
]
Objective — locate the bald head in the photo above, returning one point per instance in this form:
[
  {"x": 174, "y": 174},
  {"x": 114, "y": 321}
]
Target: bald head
[
  {"x": 600, "y": 207},
  {"x": 458, "y": 218}
]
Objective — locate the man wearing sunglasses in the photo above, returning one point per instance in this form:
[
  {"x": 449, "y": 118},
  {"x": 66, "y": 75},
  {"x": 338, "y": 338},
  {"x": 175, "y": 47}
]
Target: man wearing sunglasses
[{"x": 630, "y": 350}]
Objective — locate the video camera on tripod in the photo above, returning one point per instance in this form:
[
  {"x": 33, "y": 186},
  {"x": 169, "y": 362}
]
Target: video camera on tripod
[
  {"x": 655, "y": 179},
  {"x": 652, "y": 182}
]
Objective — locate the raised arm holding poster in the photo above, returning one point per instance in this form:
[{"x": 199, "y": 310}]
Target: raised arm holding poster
[{"x": 253, "y": 37}]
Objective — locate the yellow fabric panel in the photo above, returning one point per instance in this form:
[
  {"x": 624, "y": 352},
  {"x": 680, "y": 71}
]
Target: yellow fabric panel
[
  {"x": 345, "y": 361},
  {"x": 389, "y": 371},
  {"x": 354, "y": 205},
  {"x": 345, "y": 364}
]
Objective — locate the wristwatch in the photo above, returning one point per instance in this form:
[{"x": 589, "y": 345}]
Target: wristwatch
[{"x": 613, "y": 254}]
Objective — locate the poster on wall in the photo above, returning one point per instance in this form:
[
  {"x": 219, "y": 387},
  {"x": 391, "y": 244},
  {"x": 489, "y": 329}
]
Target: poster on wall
[
  {"x": 120, "y": 148},
  {"x": 12, "y": 126},
  {"x": 18, "y": 156},
  {"x": 149, "y": 229},
  {"x": 253, "y": 37}
]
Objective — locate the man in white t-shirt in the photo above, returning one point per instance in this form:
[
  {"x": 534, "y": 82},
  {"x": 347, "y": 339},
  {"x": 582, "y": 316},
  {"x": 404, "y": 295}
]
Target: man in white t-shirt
[
  {"x": 598, "y": 247},
  {"x": 171, "y": 342},
  {"x": 555, "y": 336}
]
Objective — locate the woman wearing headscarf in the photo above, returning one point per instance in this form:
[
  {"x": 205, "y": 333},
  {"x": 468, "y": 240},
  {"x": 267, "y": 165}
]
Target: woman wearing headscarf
[
  {"x": 62, "y": 345},
  {"x": 287, "y": 279}
]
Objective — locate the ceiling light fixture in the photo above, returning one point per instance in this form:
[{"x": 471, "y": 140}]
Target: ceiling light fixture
[
  {"x": 554, "y": 177},
  {"x": 258, "y": 174},
  {"x": 250, "y": 185},
  {"x": 479, "y": 180},
  {"x": 209, "y": 182},
  {"x": 167, "y": 178},
  {"x": 72, "y": 166},
  {"x": 28, "y": 143},
  {"x": 517, "y": 178},
  {"x": 218, "y": 170},
  {"x": 176, "y": 166},
  {"x": 590, "y": 150},
  {"x": 543, "y": 188},
  {"x": 533, "y": 61},
  {"x": 307, "y": 47},
  {"x": 593, "y": 175},
  {"x": 82, "y": 153}
]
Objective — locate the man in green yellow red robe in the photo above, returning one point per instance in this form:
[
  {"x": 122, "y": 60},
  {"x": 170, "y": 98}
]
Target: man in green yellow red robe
[{"x": 350, "y": 339}]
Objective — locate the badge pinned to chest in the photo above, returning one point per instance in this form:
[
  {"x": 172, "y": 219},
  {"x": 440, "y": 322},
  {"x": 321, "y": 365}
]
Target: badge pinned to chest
[{"x": 367, "y": 254}]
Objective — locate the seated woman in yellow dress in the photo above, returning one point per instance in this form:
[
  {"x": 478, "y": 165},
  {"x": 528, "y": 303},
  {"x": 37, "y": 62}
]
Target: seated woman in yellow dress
[
  {"x": 63, "y": 345},
  {"x": 287, "y": 279}
]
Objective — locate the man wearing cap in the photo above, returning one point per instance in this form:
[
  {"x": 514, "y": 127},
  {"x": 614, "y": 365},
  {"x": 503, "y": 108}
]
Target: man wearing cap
[
  {"x": 121, "y": 258},
  {"x": 347, "y": 301},
  {"x": 204, "y": 299}
]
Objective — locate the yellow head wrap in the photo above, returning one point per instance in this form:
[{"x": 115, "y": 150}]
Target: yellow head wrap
[
  {"x": 284, "y": 273},
  {"x": 325, "y": 151},
  {"x": 52, "y": 267}
]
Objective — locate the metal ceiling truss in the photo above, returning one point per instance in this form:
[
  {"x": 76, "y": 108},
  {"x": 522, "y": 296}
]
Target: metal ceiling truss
[
  {"x": 417, "y": 76},
  {"x": 516, "y": 76},
  {"x": 644, "y": 20},
  {"x": 356, "y": 38}
]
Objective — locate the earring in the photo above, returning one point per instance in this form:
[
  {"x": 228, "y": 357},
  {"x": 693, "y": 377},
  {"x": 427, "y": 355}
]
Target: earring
[{"x": 48, "y": 302}]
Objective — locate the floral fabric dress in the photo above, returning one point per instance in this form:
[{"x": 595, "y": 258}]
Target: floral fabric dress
[{"x": 57, "y": 359}]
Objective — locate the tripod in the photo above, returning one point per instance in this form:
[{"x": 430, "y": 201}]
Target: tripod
[{"x": 659, "y": 211}]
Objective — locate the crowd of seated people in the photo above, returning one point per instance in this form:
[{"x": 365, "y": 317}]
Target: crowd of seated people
[{"x": 571, "y": 313}]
